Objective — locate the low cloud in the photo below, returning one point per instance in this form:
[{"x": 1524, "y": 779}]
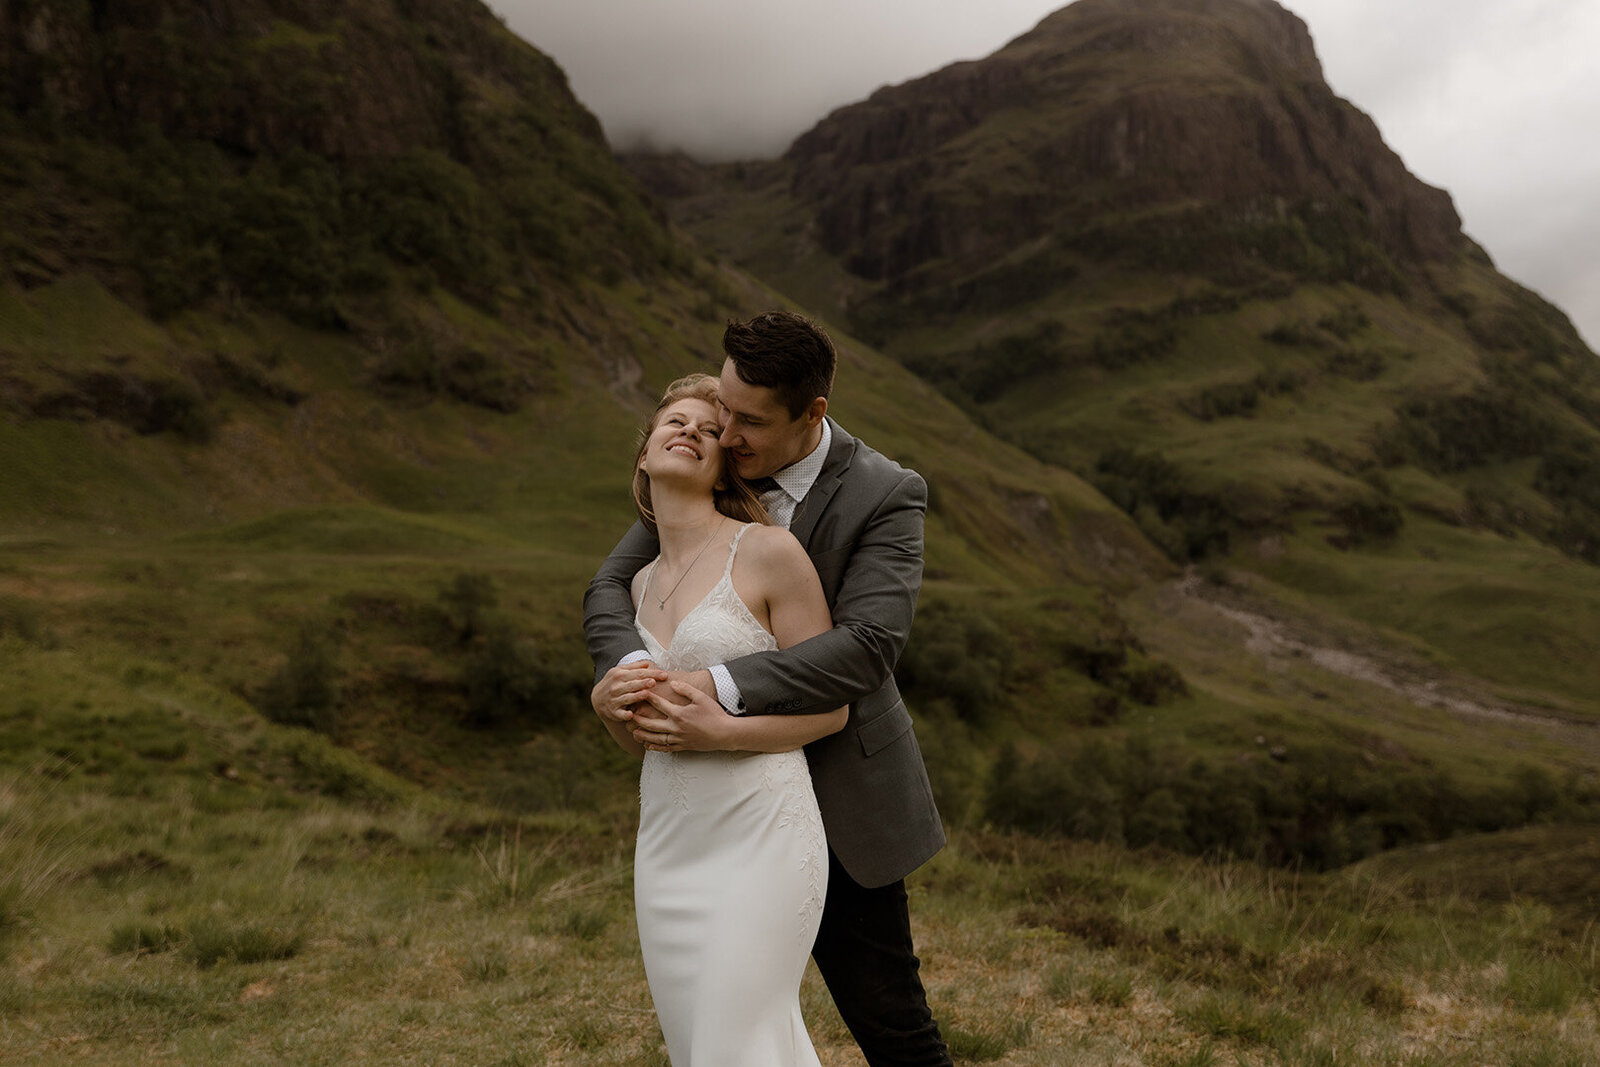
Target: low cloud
[{"x": 1495, "y": 102}]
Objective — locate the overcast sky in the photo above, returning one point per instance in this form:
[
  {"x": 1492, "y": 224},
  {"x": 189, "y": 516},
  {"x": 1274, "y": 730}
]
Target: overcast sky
[{"x": 1497, "y": 101}]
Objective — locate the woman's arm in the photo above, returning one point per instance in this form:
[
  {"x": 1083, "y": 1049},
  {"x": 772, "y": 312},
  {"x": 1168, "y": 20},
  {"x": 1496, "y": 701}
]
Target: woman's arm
[
  {"x": 622, "y": 734},
  {"x": 692, "y": 721}
]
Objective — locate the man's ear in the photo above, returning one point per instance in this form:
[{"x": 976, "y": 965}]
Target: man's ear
[{"x": 818, "y": 408}]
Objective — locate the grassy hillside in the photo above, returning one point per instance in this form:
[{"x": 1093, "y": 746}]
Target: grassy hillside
[
  {"x": 181, "y": 882},
  {"x": 314, "y": 421}
]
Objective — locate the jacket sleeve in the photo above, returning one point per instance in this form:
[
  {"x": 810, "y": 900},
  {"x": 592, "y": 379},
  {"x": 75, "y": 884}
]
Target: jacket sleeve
[
  {"x": 608, "y": 603},
  {"x": 872, "y": 613}
]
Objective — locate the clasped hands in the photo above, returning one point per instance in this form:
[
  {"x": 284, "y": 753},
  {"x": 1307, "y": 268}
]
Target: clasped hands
[{"x": 670, "y": 711}]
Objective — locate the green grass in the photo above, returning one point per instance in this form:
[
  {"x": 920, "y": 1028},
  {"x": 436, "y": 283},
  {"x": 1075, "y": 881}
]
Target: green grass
[{"x": 191, "y": 882}]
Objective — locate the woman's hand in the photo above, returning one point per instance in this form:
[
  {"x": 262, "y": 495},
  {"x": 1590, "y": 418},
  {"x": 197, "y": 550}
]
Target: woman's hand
[{"x": 690, "y": 720}]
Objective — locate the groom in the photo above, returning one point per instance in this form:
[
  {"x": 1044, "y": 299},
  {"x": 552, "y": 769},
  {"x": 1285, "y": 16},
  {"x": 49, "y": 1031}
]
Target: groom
[{"x": 859, "y": 516}]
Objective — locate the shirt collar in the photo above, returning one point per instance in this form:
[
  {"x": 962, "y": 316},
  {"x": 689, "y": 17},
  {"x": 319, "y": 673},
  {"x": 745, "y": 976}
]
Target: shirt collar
[{"x": 798, "y": 477}]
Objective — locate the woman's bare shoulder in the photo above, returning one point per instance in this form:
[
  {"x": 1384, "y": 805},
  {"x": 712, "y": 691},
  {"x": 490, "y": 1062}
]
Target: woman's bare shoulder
[
  {"x": 772, "y": 544},
  {"x": 775, "y": 555}
]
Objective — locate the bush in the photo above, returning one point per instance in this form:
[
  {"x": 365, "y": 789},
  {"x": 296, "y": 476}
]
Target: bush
[
  {"x": 305, "y": 690},
  {"x": 1460, "y": 431},
  {"x": 984, "y": 373},
  {"x": 1228, "y": 400},
  {"x": 143, "y": 937},
  {"x": 959, "y": 656},
  {"x": 1154, "y": 683},
  {"x": 1294, "y": 334},
  {"x": 1346, "y": 322},
  {"x": 20, "y": 619},
  {"x": 468, "y": 600},
  {"x": 1317, "y": 807},
  {"x": 506, "y": 679},
  {"x": 1358, "y": 365},
  {"x": 1134, "y": 336},
  {"x": 1187, "y": 524},
  {"x": 1366, "y": 521}
]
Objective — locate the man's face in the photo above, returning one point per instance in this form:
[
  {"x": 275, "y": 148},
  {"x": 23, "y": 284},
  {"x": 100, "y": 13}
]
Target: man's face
[{"x": 759, "y": 436}]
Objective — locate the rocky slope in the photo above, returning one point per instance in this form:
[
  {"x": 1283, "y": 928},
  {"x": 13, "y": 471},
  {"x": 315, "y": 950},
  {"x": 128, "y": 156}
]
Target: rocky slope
[{"x": 1109, "y": 107}]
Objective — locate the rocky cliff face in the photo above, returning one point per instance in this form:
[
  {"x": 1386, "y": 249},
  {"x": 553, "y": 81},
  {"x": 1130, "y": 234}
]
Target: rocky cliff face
[
  {"x": 347, "y": 79},
  {"x": 1109, "y": 107}
]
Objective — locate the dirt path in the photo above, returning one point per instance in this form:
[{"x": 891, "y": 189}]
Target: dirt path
[{"x": 1273, "y": 638}]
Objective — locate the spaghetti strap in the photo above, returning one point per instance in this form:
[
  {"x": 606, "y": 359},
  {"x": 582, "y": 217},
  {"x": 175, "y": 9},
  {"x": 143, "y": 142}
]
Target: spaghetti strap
[{"x": 734, "y": 550}]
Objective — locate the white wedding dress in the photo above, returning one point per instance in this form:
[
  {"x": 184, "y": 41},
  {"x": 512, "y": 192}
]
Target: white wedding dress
[{"x": 730, "y": 871}]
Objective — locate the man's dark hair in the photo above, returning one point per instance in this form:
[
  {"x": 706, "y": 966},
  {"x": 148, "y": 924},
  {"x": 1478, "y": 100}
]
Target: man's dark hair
[{"x": 784, "y": 352}]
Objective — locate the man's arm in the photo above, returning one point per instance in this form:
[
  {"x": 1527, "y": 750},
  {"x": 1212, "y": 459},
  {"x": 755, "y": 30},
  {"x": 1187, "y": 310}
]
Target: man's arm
[
  {"x": 872, "y": 614},
  {"x": 608, "y": 603}
]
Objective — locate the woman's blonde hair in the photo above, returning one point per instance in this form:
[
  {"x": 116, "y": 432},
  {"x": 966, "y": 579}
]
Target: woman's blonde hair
[{"x": 732, "y": 495}]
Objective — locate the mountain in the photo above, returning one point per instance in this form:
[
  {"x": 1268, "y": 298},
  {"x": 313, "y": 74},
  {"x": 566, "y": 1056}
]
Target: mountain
[
  {"x": 1146, "y": 242},
  {"x": 266, "y": 253},
  {"x": 325, "y": 331}
]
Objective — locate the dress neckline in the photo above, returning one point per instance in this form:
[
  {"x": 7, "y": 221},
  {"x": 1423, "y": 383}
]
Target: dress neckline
[{"x": 726, "y": 579}]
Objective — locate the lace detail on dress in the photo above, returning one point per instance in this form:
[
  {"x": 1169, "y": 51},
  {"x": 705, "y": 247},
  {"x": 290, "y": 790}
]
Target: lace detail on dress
[
  {"x": 718, "y": 629},
  {"x": 790, "y": 776}
]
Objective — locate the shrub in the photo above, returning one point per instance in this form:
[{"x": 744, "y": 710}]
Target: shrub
[
  {"x": 958, "y": 655},
  {"x": 143, "y": 937},
  {"x": 987, "y": 371},
  {"x": 1154, "y": 683},
  {"x": 1228, "y": 400},
  {"x": 1460, "y": 431},
  {"x": 304, "y": 691},
  {"x": 1294, "y": 334},
  {"x": 1366, "y": 521},
  {"x": 1134, "y": 336},
  {"x": 468, "y": 600},
  {"x": 1187, "y": 524},
  {"x": 506, "y": 679},
  {"x": 20, "y": 619},
  {"x": 1359, "y": 365},
  {"x": 1317, "y": 807},
  {"x": 1346, "y": 322}
]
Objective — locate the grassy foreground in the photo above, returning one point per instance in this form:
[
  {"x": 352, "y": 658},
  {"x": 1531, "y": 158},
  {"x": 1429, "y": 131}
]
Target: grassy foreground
[{"x": 184, "y": 882}]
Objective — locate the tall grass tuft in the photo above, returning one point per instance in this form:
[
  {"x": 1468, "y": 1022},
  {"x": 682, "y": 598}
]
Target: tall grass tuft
[
  {"x": 34, "y": 856},
  {"x": 214, "y": 941}
]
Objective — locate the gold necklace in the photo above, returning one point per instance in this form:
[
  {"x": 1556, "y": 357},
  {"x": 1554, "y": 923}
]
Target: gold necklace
[{"x": 661, "y": 602}]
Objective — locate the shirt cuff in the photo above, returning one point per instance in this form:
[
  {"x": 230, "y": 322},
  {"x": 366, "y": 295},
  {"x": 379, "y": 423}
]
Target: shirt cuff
[
  {"x": 728, "y": 694},
  {"x": 635, "y": 657}
]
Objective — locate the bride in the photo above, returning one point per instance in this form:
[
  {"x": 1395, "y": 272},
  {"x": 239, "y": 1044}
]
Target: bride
[{"x": 731, "y": 867}]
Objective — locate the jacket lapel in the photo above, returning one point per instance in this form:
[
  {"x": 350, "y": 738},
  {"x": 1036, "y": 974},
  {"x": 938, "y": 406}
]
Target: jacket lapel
[{"x": 811, "y": 508}]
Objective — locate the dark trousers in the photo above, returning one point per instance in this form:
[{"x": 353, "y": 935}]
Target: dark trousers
[{"x": 865, "y": 955}]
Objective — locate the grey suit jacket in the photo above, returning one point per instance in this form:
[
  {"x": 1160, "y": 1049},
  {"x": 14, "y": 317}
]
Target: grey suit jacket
[{"x": 861, "y": 523}]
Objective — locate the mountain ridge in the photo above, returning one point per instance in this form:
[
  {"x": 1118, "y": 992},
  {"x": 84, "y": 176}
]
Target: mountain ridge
[
  {"x": 1146, "y": 242},
  {"x": 241, "y": 452}
]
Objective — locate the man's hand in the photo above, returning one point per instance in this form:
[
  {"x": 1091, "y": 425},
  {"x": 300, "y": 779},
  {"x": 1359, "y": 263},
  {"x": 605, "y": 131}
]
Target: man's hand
[
  {"x": 624, "y": 686},
  {"x": 691, "y": 721}
]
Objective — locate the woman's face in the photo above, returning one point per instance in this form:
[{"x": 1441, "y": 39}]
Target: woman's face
[{"x": 683, "y": 444}]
